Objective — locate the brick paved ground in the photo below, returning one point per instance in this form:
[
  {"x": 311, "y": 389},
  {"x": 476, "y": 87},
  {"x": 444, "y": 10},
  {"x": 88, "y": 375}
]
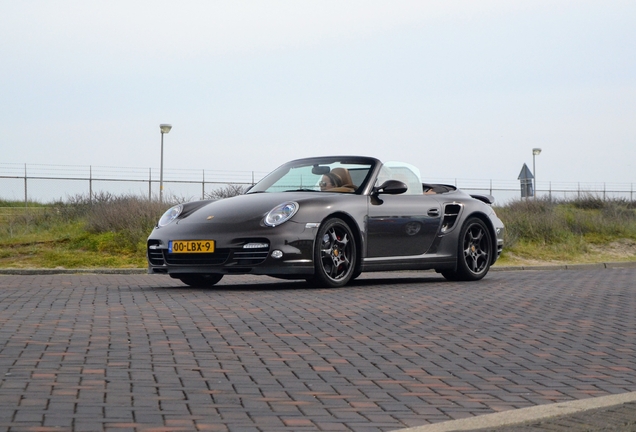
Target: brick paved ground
[{"x": 139, "y": 352}]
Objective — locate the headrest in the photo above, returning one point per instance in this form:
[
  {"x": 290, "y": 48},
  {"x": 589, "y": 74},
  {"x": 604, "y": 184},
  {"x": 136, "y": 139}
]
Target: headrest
[{"x": 343, "y": 175}]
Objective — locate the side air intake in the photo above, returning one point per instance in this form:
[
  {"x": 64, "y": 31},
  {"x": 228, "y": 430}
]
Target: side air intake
[{"x": 451, "y": 214}]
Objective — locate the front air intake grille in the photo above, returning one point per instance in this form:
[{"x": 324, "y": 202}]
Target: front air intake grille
[
  {"x": 216, "y": 258},
  {"x": 155, "y": 255},
  {"x": 250, "y": 257},
  {"x": 158, "y": 256}
]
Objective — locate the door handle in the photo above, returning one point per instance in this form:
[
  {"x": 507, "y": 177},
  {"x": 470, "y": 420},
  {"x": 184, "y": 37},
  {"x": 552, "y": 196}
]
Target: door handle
[{"x": 433, "y": 212}]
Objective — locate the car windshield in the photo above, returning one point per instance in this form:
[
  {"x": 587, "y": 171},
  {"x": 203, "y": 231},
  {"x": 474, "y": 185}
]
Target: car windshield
[{"x": 334, "y": 174}]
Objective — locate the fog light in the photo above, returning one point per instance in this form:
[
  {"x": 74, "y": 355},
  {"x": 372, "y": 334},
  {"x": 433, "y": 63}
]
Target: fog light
[{"x": 277, "y": 254}]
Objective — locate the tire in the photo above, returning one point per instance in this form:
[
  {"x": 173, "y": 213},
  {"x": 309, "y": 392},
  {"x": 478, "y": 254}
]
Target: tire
[
  {"x": 355, "y": 275},
  {"x": 334, "y": 255},
  {"x": 474, "y": 252},
  {"x": 201, "y": 281}
]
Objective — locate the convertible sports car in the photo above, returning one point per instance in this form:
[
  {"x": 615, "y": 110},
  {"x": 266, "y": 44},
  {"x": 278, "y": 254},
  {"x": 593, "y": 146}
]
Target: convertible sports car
[{"x": 326, "y": 220}]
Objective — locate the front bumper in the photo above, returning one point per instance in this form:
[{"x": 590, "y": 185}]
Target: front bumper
[
  {"x": 283, "y": 250},
  {"x": 500, "y": 231}
]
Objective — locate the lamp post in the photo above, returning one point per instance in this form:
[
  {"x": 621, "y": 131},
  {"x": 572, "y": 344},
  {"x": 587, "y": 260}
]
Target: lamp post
[
  {"x": 165, "y": 128},
  {"x": 535, "y": 152}
]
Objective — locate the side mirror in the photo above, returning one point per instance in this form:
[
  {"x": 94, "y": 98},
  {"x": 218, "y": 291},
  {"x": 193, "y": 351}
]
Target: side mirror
[{"x": 391, "y": 187}]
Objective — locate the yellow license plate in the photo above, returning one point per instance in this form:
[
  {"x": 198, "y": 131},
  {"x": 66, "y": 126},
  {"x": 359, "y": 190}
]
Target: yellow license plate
[{"x": 191, "y": 246}]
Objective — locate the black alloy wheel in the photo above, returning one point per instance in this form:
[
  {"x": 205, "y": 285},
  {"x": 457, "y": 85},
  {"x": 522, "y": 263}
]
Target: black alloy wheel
[
  {"x": 334, "y": 255},
  {"x": 474, "y": 254}
]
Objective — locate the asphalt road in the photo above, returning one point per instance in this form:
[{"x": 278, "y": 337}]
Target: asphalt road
[{"x": 391, "y": 351}]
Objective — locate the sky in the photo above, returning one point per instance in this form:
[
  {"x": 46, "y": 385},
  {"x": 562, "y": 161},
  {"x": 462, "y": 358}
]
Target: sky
[{"x": 461, "y": 89}]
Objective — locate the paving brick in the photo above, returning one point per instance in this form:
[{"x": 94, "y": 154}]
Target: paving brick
[{"x": 140, "y": 352}]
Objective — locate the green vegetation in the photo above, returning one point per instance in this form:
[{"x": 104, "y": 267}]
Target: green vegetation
[
  {"x": 107, "y": 231},
  {"x": 588, "y": 229},
  {"x": 111, "y": 231}
]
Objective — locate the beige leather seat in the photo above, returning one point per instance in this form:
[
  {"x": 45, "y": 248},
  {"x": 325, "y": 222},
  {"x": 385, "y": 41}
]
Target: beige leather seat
[{"x": 345, "y": 182}]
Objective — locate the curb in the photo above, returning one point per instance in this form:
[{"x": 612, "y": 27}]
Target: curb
[
  {"x": 523, "y": 415},
  {"x": 590, "y": 266},
  {"x": 125, "y": 271},
  {"x": 109, "y": 271}
]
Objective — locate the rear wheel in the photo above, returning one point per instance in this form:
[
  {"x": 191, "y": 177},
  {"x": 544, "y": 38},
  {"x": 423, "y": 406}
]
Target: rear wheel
[
  {"x": 201, "y": 281},
  {"x": 334, "y": 255},
  {"x": 474, "y": 254}
]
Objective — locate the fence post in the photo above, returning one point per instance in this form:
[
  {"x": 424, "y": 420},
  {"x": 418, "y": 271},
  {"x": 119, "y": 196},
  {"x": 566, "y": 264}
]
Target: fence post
[
  {"x": 26, "y": 195},
  {"x": 149, "y": 184},
  {"x": 550, "y": 193},
  {"x": 90, "y": 184},
  {"x": 490, "y": 186},
  {"x": 203, "y": 186}
]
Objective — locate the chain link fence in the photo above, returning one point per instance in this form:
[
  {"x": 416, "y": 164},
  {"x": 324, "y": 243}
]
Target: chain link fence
[{"x": 47, "y": 183}]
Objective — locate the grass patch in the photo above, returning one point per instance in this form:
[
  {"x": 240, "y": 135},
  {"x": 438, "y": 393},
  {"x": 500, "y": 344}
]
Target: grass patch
[
  {"x": 111, "y": 231},
  {"x": 583, "y": 230},
  {"x": 105, "y": 231}
]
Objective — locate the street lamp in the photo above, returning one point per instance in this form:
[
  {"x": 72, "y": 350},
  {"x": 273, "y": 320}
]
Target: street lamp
[
  {"x": 165, "y": 128},
  {"x": 535, "y": 152}
]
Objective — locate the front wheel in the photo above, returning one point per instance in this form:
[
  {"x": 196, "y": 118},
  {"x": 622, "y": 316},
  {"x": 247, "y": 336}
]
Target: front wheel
[
  {"x": 474, "y": 254},
  {"x": 201, "y": 281},
  {"x": 334, "y": 255}
]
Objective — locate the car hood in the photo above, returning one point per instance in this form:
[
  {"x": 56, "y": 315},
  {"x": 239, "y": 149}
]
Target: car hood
[{"x": 244, "y": 208}]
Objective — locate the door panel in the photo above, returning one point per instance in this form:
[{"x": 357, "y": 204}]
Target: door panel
[{"x": 402, "y": 225}]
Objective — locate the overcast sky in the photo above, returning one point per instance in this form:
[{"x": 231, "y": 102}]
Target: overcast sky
[{"x": 461, "y": 89}]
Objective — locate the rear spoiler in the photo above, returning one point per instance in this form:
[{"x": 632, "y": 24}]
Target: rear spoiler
[{"x": 488, "y": 199}]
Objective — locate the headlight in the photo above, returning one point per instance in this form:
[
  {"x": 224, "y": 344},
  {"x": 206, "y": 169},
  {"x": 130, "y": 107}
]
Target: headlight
[
  {"x": 281, "y": 213},
  {"x": 170, "y": 215}
]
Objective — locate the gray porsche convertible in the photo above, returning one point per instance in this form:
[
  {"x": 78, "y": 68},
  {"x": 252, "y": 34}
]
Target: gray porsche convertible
[{"x": 327, "y": 220}]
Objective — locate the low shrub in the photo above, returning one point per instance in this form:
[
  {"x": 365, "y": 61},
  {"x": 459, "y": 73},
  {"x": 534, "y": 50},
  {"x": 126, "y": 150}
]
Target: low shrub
[
  {"x": 549, "y": 222},
  {"x": 105, "y": 226},
  {"x": 130, "y": 217},
  {"x": 228, "y": 191},
  {"x": 535, "y": 221}
]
